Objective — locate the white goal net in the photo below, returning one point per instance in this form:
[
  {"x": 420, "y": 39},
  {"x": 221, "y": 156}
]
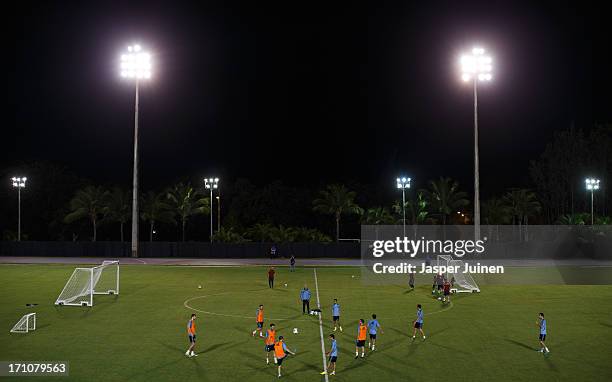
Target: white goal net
[
  {"x": 461, "y": 282},
  {"x": 25, "y": 324},
  {"x": 84, "y": 283}
]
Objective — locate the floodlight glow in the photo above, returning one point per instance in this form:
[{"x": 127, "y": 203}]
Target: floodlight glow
[
  {"x": 136, "y": 63},
  {"x": 591, "y": 184},
  {"x": 476, "y": 66}
]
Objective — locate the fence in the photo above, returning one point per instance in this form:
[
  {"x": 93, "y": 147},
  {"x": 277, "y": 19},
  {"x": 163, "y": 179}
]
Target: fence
[{"x": 109, "y": 249}]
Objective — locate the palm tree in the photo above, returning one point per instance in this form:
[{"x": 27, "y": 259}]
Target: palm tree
[
  {"x": 416, "y": 209},
  {"x": 228, "y": 235},
  {"x": 573, "y": 219},
  {"x": 495, "y": 212},
  {"x": 377, "y": 216},
  {"x": 118, "y": 207},
  {"x": 444, "y": 197},
  {"x": 187, "y": 201},
  {"x": 282, "y": 234},
  {"x": 521, "y": 203},
  {"x": 336, "y": 200},
  {"x": 156, "y": 209},
  {"x": 304, "y": 234},
  {"x": 89, "y": 203},
  {"x": 260, "y": 232}
]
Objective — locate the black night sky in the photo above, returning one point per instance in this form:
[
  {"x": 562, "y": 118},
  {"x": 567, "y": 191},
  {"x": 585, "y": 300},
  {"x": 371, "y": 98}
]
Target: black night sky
[{"x": 304, "y": 92}]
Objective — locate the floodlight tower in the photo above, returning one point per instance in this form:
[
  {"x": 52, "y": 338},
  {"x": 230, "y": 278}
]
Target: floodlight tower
[
  {"x": 476, "y": 67},
  {"x": 19, "y": 183},
  {"x": 136, "y": 66},
  {"x": 591, "y": 185},
  {"x": 403, "y": 184},
  {"x": 211, "y": 184}
]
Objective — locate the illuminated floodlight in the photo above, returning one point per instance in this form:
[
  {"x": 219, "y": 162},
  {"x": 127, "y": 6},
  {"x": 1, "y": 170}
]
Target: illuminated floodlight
[
  {"x": 135, "y": 63},
  {"x": 591, "y": 184},
  {"x": 19, "y": 182},
  {"x": 476, "y": 66},
  {"x": 211, "y": 183}
]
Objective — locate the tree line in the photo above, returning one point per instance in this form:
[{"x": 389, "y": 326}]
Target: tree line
[{"x": 58, "y": 205}]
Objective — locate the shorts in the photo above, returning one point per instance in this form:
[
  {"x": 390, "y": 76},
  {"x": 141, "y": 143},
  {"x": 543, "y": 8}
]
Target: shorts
[
  {"x": 192, "y": 339},
  {"x": 260, "y": 325},
  {"x": 372, "y": 336},
  {"x": 446, "y": 292},
  {"x": 360, "y": 343},
  {"x": 440, "y": 287},
  {"x": 279, "y": 361},
  {"x": 542, "y": 337},
  {"x": 336, "y": 318},
  {"x": 269, "y": 348},
  {"x": 333, "y": 359},
  {"x": 418, "y": 325}
]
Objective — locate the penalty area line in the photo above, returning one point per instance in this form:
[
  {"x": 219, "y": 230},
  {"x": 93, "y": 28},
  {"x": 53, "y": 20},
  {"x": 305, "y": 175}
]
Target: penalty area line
[{"x": 321, "y": 326}]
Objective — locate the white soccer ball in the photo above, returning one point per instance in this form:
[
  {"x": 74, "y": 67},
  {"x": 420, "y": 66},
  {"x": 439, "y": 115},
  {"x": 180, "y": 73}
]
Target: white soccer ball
[
  {"x": 295, "y": 330},
  {"x": 285, "y": 285},
  {"x": 199, "y": 286},
  {"x": 352, "y": 276},
  {"x": 439, "y": 298}
]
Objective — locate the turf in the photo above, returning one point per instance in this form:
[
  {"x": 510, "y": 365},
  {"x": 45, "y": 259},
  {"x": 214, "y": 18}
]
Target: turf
[{"x": 140, "y": 335}]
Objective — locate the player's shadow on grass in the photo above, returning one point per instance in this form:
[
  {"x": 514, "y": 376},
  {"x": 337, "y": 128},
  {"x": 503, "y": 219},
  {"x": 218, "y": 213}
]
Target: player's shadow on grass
[
  {"x": 519, "y": 344},
  {"x": 215, "y": 347},
  {"x": 605, "y": 324}
]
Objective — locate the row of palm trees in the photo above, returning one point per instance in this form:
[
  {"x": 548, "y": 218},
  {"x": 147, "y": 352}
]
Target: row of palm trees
[
  {"x": 174, "y": 205},
  {"x": 436, "y": 204}
]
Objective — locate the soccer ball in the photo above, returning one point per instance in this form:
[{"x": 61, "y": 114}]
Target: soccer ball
[
  {"x": 352, "y": 276},
  {"x": 285, "y": 285},
  {"x": 199, "y": 286},
  {"x": 439, "y": 298},
  {"x": 295, "y": 330}
]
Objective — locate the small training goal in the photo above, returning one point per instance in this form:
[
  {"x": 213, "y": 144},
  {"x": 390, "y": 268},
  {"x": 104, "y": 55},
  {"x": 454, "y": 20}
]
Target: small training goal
[
  {"x": 461, "y": 282},
  {"x": 26, "y": 324},
  {"x": 84, "y": 283}
]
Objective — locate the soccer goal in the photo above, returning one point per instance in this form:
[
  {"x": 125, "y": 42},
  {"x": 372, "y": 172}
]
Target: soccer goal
[
  {"x": 84, "y": 283},
  {"x": 464, "y": 282},
  {"x": 25, "y": 324}
]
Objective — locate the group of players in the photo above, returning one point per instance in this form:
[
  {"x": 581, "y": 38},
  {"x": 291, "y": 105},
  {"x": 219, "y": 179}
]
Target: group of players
[
  {"x": 280, "y": 351},
  {"x": 365, "y": 331}
]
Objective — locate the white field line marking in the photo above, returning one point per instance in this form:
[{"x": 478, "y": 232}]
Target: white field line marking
[{"x": 321, "y": 326}]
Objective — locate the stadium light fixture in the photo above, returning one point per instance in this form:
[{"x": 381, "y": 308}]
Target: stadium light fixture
[
  {"x": 19, "y": 183},
  {"x": 403, "y": 183},
  {"x": 135, "y": 64},
  {"x": 211, "y": 184},
  {"x": 592, "y": 185},
  {"x": 476, "y": 66}
]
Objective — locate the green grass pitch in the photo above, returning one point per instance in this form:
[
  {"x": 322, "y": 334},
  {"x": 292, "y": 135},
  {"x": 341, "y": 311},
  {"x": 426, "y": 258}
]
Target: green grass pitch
[{"x": 140, "y": 335}]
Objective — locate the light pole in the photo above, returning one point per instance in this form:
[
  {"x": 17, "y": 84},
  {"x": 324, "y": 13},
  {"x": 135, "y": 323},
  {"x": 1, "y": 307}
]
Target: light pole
[
  {"x": 211, "y": 184},
  {"x": 591, "y": 185},
  {"x": 218, "y": 211},
  {"x": 19, "y": 183},
  {"x": 476, "y": 67},
  {"x": 135, "y": 65},
  {"x": 403, "y": 184}
]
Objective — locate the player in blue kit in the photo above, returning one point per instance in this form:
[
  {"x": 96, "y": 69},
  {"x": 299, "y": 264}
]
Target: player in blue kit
[
  {"x": 418, "y": 323},
  {"x": 373, "y": 327},
  {"x": 333, "y": 356},
  {"x": 542, "y": 325},
  {"x": 336, "y": 315}
]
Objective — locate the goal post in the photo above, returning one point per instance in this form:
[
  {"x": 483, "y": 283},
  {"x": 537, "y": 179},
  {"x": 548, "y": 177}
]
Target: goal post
[
  {"x": 25, "y": 324},
  {"x": 464, "y": 282},
  {"x": 84, "y": 283}
]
